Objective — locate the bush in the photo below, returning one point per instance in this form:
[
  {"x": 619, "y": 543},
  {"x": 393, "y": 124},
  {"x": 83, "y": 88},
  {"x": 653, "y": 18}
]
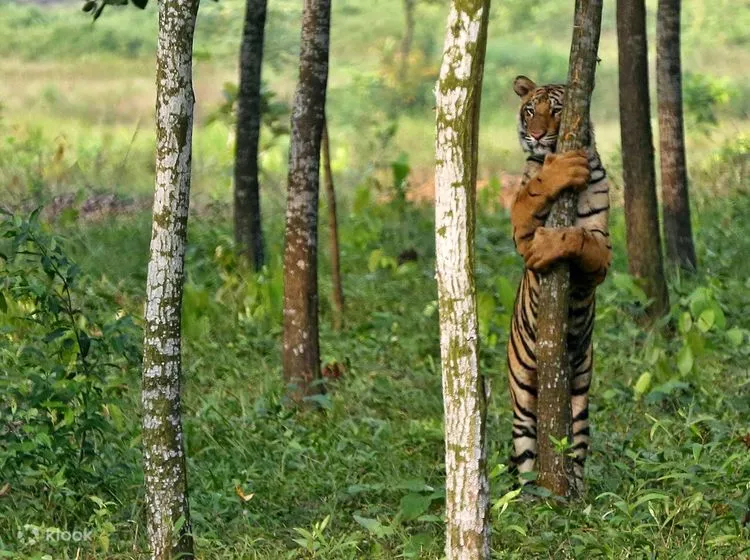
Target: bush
[{"x": 67, "y": 357}]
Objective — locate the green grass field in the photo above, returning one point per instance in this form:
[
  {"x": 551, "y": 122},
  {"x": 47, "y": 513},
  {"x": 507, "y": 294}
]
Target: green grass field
[{"x": 669, "y": 474}]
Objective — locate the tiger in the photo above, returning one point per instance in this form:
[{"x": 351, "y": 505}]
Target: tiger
[{"x": 585, "y": 246}]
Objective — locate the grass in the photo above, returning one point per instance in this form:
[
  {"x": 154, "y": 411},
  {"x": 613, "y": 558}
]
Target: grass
[{"x": 669, "y": 468}]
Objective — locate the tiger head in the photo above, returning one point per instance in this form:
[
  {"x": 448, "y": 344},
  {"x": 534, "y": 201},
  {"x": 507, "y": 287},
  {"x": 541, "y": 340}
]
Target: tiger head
[{"x": 539, "y": 116}]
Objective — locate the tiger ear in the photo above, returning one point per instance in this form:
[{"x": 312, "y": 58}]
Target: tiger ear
[{"x": 523, "y": 85}]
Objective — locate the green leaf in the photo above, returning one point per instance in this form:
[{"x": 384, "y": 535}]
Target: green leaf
[
  {"x": 504, "y": 501},
  {"x": 373, "y": 262},
  {"x": 3, "y": 303},
  {"x": 706, "y": 320},
  {"x": 374, "y": 526},
  {"x": 649, "y": 498},
  {"x": 84, "y": 343},
  {"x": 685, "y": 322},
  {"x": 179, "y": 524},
  {"x": 685, "y": 360},
  {"x": 721, "y": 320},
  {"x": 643, "y": 384},
  {"x": 735, "y": 336},
  {"x": 414, "y": 505}
]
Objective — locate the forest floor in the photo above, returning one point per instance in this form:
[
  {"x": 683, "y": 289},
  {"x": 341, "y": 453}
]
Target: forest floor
[{"x": 363, "y": 477}]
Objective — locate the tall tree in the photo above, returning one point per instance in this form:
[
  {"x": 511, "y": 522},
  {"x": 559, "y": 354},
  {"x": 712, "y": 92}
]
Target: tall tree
[
  {"x": 333, "y": 234},
  {"x": 163, "y": 448},
  {"x": 248, "y": 231},
  {"x": 678, "y": 234},
  {"x": 408, "y": 38},
  {"x": 458, "y": 101},
  {"x": 553, "y": 364},
  {"x": 641, "y": 207},
  {"x": 301, "y": 353}
]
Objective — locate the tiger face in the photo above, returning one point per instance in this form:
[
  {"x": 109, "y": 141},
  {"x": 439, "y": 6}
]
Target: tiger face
[{"x": 539, "y": 115}]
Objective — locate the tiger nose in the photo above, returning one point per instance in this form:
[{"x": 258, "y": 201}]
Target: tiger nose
[{"x": 537, "y": 134}]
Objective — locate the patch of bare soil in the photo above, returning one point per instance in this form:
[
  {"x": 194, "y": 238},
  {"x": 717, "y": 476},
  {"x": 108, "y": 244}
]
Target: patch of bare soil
[{"x": 422, "y": 190}]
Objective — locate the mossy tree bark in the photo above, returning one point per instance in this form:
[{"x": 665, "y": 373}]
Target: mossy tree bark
[
  {"x": 301, "y": 352},
  {"x": 248, "y": 231},
  {"x": 641, "y": 207},
  {"x": 458, "y": 100},
  {"x": 333, "y": 234},
  {"x": 163, "y": 448},
  {"x": 678, "y": 234},
  {"x": 553, "y": 365}
]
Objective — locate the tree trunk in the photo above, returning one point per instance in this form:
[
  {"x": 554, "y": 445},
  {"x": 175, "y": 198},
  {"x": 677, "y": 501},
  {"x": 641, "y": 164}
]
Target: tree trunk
[
  {"x": 553, "y": 365},
  {"x": 408, "y": 39},
  {"x": 163, "y": 450},
  {"x": 458, "y": 101},
  {"x": 333, "y": 235},
  {"x": 678, "y": 233},
  {"x": 248, "y": 232},
  {"x": 301, "y": 346},
  {"x": 641, "y": 207}
]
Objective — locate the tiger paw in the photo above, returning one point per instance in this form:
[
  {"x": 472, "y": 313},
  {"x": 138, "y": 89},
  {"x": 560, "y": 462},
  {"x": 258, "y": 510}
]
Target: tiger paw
[
  {"x": 562, "y": 171},
  {"x": 548, "y": 246}
]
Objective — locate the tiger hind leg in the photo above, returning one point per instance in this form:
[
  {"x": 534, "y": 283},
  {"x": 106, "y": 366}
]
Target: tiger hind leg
[{"x": 580, "y": 413}]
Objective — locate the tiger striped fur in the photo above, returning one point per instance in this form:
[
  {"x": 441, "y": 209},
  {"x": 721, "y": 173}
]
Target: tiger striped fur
[{"x": 585, "y": 245}]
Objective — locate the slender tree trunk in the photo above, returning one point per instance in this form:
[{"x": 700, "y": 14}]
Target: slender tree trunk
[
  {"x": 553, "y": 364},
  {"x": 678, "y": 233},
  {"x": 163, "y": 448},
  {"x": 458, "y": 101},
  {"x": 408, "y": 39},
  {"x": 248, "y": 232},
  {"x": 641, "y": 207},
  {"x": 333, "y": 235},
  {"x": 301, "y": 346}
]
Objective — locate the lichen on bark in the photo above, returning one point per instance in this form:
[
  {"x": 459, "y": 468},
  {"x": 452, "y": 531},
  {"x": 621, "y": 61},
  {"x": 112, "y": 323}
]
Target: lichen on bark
[
  {"x": 168, "y": 524},
  {"x": 458, "y": 97}
]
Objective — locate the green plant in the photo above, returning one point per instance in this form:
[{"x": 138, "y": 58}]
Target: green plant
[{"x": 65, "y": 364}]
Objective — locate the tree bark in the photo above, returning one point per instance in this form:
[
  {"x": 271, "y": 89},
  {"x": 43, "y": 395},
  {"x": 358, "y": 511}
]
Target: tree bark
[
  {"x": 248, "y": 231},
  {"x": 458, "y": 101},
  {"x": 641, "y": 207},
  {"x": 408, "y": 38},
  {"x": 333, "y": 235},
  {"x": 163, "y": 448},
  {"x": 301, "y": 353},
  {"x": 553, "y": 365},
  {"x": 678, "y": 235}
]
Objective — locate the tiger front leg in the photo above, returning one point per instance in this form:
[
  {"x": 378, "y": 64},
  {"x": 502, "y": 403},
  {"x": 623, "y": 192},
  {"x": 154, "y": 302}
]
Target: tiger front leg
[
  {"x": 531, "y": 205},
  {"x": 589, "y": 251}
]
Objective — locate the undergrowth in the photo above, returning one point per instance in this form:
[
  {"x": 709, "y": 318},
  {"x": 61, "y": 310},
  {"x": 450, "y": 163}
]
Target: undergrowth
[{"x": 669, "y": 472}]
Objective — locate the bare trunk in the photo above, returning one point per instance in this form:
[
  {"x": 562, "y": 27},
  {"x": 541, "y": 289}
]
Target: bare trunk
[
  {"x": 301, "y": 347},
  {"x": 248, "y": 232},
  {"x": 333, "y": 235},
  {"x": 641, "y": 207},
  {"x": 458, "y": 100},
  {"x": 408, "y": 39},
  {"x": 163, "y": 449},
  {"x": 553, "y": 364},
  {"x": 678, "y": 233}
]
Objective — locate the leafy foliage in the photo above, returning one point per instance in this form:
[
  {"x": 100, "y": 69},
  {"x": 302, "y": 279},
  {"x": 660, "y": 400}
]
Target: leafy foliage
[{"x": 64, "y": 371}]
